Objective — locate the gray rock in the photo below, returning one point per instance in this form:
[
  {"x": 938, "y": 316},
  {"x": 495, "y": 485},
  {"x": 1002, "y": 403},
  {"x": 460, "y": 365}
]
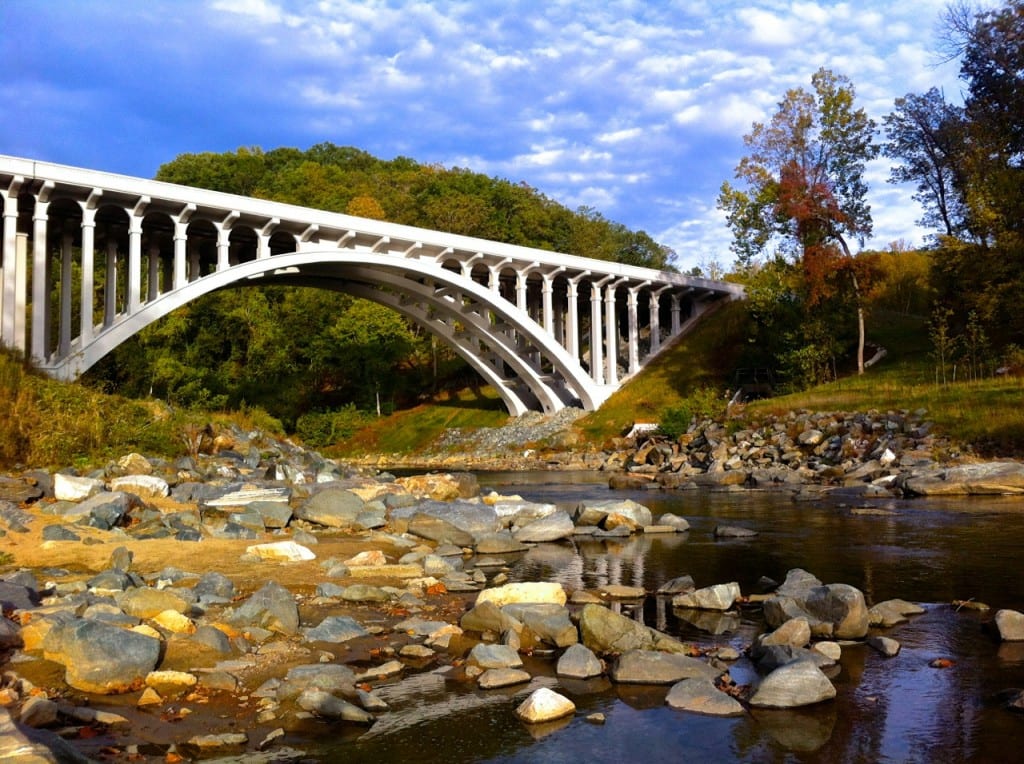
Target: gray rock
[
  {"x": 606, "y": 632},
  {"x": 332, "y": 678},
  {"x": 700, "y": 696},
  {"x": 579, "y": 662},
  {"x": 594, "y": 512},
  {"x": 733, "y": 532},
  {"x": 677, "y": 585},
  {"x": 553, "y": 527},
  {"x": 211, "y": 638},
  {"x": 439, "y": 530},
  {"x": 214, "y": 585},
  {"x": 496, "y": 678},
  {"x": 892, "y": 612},
  {"x": 795, "y": 632},
  {"x": 487, "y": 616},
  {"x": 547, "y": 621},
  {"x": 795, "y": 684},
  {"x": 59, "y": 533},
  {"x": 489, "y": 656},
  {"x": 679, "y": 523},
  {"x": 500, "y": 542},
  {"x": 328, "y": 706},
  {"x": 476, "y": 520},
  {"x": 336, "y": 628},
  {"x": 101, "y": 658},
  {"x": 884, "y": 645},
  {"x": 717, "y": 597},
  {"x": 275, "y": 514},
  {"x": 272, "y": 607},
  {"x": 145, "y": 602},
  {"x": 653, "y": 667},
  {"x": 332, "y": 507},
  {"x": 24, "y": 745},
  {"x": 982, "y": 478},
  {"x": 365, "y": 593},
  {"x": 841, "y": 605}
]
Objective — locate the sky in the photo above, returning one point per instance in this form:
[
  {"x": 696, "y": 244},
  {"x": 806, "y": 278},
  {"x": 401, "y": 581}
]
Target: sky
[{"x": 634, "y": 109}]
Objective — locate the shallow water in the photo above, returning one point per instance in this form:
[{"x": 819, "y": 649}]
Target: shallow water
[{"x": 887, "y": 710}]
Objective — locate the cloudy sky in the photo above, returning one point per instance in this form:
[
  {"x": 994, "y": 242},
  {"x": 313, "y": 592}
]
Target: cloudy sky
[{"x": 636, "y": 109}]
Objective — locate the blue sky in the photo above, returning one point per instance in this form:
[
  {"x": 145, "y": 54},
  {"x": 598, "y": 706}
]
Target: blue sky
[{"x": 636, "y": 109}]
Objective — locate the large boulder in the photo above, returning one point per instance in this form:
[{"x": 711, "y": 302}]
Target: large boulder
[
  {"x": 842, "y": 606},
  {"x": 579, "y": 662},
  {"x": 552, "y": 527},
  {"x": 717, "y": 597},
  {"x": 548, "y": 622},
  {"x": 799, "y": 683},
  {"x": 333, "y": 507},
  {"x": 272, "y": 607},
  {"x": 605, "y": 632},
  {"x": 653, "y": 667},
  {"x": 982, "y": 478},
  {"x": 544, "y": 705},
  {"x": 700, "y": 695},
  {"x": 101, "y": 658}
]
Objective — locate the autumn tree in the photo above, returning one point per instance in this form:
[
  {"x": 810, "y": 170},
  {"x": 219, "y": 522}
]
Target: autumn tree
[{"x": 803, "y": 190}]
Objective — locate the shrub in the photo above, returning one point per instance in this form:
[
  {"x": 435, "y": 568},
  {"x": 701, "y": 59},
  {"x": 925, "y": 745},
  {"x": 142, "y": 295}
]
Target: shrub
[
  {"x": 319, "y": 429},
  {"x": 702, "y": 403}
]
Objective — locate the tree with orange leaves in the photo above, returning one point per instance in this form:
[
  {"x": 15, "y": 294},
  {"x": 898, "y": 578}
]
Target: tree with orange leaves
[{"x": 805, "y": 193}]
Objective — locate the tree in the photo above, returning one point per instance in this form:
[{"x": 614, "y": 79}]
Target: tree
[
  {"x": 926, "y": 134},
  {"x": 805, "y": 189}
]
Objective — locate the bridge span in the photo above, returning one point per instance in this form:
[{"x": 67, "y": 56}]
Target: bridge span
[{"x": 90, "y": 258}]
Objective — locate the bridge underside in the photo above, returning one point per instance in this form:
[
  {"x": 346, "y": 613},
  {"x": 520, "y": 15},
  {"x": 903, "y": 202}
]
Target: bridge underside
[{"x": 90, "y": 259}]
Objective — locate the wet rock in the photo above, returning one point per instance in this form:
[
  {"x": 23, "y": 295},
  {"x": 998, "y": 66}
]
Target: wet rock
[
  {"x": 328, "y": 706},
  {"x": 653, "y": 667},
  {"x": 891, "y": 612},
  {"x": 884, "y": 645},
  {"x": 796, "y": 684},
  {"x": 439, "y": 530},
  {"x": 606, "y": 632},
  {"x": 332, "y": 678},
  {"x": 501, "y": 542},
  {"x": 488, "y": 616},
  {"x": 982, "y": 478},
  {"x": 679, "y": 523},
  {"x": 544, "y": 705},
  {"x": 548, "y": 622},
  {"x": 717, "y": 597},
  {"x": 733, "y": 532},
  {"x": 209, "y": 743},
  {"x": 171, "y": 684},
  {"x": 841, "y": 605},
  {"x": 20, "y": 743},
  {"x": 700, "y": 695},
  {"x": 488, "y": 656},
  {"x": 553, "y": 527},
  {"x": 595, "y": 512},
  {"x": 493, "y": 679},
  {"x": 579, "y": 662},
  {"x": 795, "y": 632},
  {"x": 677, "y": 585}
]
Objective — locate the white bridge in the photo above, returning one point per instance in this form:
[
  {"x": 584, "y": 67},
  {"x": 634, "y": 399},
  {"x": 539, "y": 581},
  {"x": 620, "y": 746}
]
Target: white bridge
[{"x": 90, "y": 258}]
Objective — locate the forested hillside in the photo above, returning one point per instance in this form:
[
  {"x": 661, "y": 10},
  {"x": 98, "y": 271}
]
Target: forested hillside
[{"x": 298, "y": 353}]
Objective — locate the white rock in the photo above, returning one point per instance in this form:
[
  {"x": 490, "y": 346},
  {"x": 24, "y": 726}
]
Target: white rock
[
  {"x": 145, "y": 486},
  {"x": 530, "y": 591},
  {"x": 73, "y": 488},
  {"x": 544, "y": 705},
  {"x": 281, "y": 551}
]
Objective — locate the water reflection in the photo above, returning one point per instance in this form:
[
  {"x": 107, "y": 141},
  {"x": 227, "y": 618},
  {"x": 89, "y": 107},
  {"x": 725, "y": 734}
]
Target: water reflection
[{"x": 887, "y": 709}]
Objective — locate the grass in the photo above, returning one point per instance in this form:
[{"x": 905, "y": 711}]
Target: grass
[{"x": 412, "y": 430}]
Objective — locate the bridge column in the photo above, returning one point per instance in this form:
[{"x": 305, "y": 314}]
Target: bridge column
[
  {"x": 655, "y": 322},
  {"x": 134, "y": 300},
  {"x": 611, "y": 330},
  {"x": 67, "y": 241},
  {"x": 675, "y": 315},
  {"x": 224, "y": 240},
  {"x": 521, "y": 290},
  {"x": 40, "y": 281},
  {"x": 20, "y": 289},
  {"x": 263, "y": 246},
  {"x": 8, "y": 264},
  {"x": 634, "y": 330},
  {"x": 181, "y": 245},
  {"x": 85, "y": 324},
  {"x": 596, "y": 354}
]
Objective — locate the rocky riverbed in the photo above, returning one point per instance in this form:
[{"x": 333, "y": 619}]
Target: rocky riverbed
[{"x": 244, "y": 603}]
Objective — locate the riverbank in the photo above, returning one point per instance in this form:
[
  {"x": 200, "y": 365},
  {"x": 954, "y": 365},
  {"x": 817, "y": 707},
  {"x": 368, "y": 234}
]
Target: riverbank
[{"x": 250, "y": 602}]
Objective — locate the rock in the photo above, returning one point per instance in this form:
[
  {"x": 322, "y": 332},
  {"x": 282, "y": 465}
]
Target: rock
[
  {"x": 281, "y": 551},
  {"x": 488, "y": 616},
  {"x": 733, "y": 532},
  {"x": 982, "y": 478},
  {"x": 653, "y": 667},
  {"x": 679, "y": 523},
  {"x": 439, "y": 530},
  {"x": 489, "y": 656},
  {"x": 365, "y": 593},
  {"x": 144, "y": 602},
  {"x": 553, "y": 527},
  {"x": 101, "y": 658},
  {"x": 73, "y": 488},
  {"x": 328, "y": 706},
  {"x": 218, "y": 741},
  {"x": 171, "y": 684},
  {"x": 795, "y": 632},
  {"x": 795, "y": 684},
  {"x": 579, "y": 662},
  {"x": 891, "y": 612},
  {"x": 884, "y": 645},
  {"x": 493, "y": 679},
  {"x": 527, "y": 591},
  {"x": 336, "y": 628},
  {"x": 717, "y": 597},
  {"x": 174, "y": 622},
  {"x": 272, "y": 607},
  {"x": 144, "y": 486},
  {"x": 831, "y": 650},
  {"x": 701, "y": 696},
  {"x": 548, "y": 622},
  {"x": 441, "y": 487},
  {"x": 38, "y": 712},
  {"x": 1010, "y": 625},
  {"x": 25, "y": 745},
  {"x": 332, "y": 507},
  {"x": 544, "y": 705},
  {"x": 500, "y": 542},
  {"x": 677, "y": 585},
  {"x": 606, "y": 632},
  {"x": 332, "y": 678},
  {"x": 594, "y": 512},
  {"x": 841, "y": 605}
]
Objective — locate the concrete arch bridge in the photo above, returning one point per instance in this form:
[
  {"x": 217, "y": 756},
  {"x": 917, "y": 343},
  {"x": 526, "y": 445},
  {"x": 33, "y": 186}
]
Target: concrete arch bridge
[{"x": 90, "y": 258}]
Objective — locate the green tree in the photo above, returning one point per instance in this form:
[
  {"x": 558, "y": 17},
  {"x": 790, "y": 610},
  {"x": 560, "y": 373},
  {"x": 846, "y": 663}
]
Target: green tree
[{"x": 805, "y": 190}]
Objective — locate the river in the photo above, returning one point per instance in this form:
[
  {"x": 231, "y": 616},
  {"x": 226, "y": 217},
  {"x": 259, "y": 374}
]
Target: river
[{"x": 899, "y": 709}]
